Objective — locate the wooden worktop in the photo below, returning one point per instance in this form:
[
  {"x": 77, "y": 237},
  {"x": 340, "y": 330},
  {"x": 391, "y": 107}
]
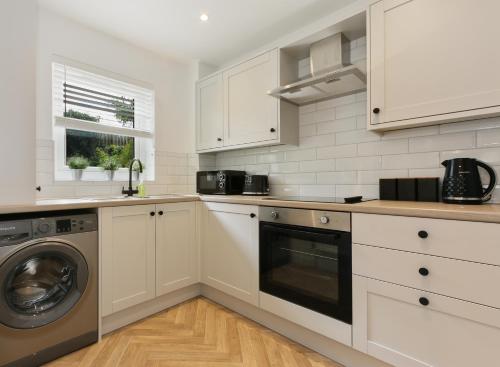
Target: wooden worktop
[{"x": 477, "y": 213}]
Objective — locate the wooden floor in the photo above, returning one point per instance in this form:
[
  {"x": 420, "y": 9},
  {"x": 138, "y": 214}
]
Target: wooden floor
[{"x": 194, "y": 334}]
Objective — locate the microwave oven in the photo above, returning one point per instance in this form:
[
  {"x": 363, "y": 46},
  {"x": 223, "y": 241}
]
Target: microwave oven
[{"x": 223, "y": 182}]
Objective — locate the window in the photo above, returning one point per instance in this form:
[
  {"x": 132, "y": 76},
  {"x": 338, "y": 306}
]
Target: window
[{"x": 104, "y": 120}]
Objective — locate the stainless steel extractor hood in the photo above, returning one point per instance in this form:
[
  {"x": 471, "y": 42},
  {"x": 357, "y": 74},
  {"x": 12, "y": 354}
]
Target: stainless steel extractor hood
[{"x": 331, "y": 75}]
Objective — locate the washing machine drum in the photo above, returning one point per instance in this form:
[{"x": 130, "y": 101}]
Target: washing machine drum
[{"x": 41, "y": 283}]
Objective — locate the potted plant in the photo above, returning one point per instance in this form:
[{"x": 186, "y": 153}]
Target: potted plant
[
  {"x": 78, "y": 164},
  {"x": 110, "y": 165},
  {"x": 136, "y": 169}
]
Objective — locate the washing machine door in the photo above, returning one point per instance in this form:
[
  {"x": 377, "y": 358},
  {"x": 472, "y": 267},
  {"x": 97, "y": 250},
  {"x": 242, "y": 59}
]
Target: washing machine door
[{"x": 40, "y": 283}]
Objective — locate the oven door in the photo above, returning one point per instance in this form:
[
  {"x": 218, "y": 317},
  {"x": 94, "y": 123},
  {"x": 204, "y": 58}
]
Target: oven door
[{"x": 307, "y": 266}]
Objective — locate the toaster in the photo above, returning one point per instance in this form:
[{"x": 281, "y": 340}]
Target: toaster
[{"x": 256, "y": 185}]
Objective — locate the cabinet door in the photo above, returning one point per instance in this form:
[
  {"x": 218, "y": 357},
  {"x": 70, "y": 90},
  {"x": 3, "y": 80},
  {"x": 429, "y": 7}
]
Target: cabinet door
[
  {"x": 433, "y": 61},
  {"x": 128, "y": 256},
  {"x": 209, "y": 113},
  {"x": 390, "y": 324},
  {"x": 176, "y": 249},
  {"x": 249, "y": 113},
  {"x": 230, "y": 249}
]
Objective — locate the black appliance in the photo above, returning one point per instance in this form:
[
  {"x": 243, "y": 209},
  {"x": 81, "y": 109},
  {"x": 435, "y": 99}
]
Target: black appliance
[
  {"x": 256, "y": 185},
  {"x": 220, "y": 182},
  {"x": 305, "y": 258},
  {"x": 462, "y": 182}
]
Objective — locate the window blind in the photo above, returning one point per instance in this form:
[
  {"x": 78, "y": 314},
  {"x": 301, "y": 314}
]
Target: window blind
[{"x": 106, "y": 101}]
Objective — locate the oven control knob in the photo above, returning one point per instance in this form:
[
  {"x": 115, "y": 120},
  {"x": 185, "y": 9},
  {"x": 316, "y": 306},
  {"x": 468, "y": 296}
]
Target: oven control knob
[
  {"x": 43, "y": 227},
  {"x": 275, "y": 214},
  {"x": 324, "y": 219}
]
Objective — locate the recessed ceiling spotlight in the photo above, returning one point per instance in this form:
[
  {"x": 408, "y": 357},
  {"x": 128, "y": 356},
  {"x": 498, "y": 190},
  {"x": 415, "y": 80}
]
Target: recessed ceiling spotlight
[{"x": 203, "y": 17}]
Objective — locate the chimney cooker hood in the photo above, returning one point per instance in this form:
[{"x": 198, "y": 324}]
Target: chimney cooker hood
[{"x": 331, "y": 76}]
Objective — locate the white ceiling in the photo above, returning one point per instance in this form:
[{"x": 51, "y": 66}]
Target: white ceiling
[{"x": 173, "y": 27}]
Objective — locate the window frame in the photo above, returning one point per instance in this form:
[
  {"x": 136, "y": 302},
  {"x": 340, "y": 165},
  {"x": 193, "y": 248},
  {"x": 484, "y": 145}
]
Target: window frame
[{"x": 144, "y": 139}]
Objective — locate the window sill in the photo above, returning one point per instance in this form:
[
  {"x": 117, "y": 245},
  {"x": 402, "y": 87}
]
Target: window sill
[{"x": 96, "y": 175}]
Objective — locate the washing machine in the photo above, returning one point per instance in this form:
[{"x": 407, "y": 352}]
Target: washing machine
[{"x": 48, "y": 286}]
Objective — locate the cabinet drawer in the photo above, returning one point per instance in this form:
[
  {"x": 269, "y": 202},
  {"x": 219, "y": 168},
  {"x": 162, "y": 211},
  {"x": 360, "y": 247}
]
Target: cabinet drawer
[
  {"x": 473, "y": 241},
  {"x": 390, "y": 324},
  {"x": 455, "y": 278}
]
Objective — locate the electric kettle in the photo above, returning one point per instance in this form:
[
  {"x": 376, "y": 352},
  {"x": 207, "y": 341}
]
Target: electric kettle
[{"x": 462, "y": 182}]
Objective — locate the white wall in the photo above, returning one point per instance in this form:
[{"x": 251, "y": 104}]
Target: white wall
[
  {"x": 173, "y": 83},
  {"x": 17, "y": 101}
]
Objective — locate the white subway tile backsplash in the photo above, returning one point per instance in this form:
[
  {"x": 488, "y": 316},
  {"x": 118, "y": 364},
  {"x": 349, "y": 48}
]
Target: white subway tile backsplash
[
  {"x": 488, "y": 138},
  {"x": 372, "y": 177},
  {"x": 336, "y": 126},
  {"x": 356, "y": 136},
  {"x": 317, "y": 190},
  {"x": 335, "y": 178},
  {"x": 271, "y": 157},
  {"x": 288, "y": 167},
  {"x": 415, "y": 160},
  {"x": 317, "y": 141},
  {"x": 300, "y": 155},
  {"x": 464, "y": 140},
  {"x": 307, "y": 118},
  {"x": 488, "y": 155},
  {"x": 337, "y": 151},
  {"x": 325, "y": 115},
  {"x": 285, "y": 190},
  {"x": 307, "y": 130},
  {"x": 320, "y": 165},
  {"x": 367, "y": 191},
  {"x": 358, "y": 163},
  {"x": 410, "y": 133},
  {"x": 307, "y": 108},
  {"x": 471, "y": 125},
  {"x": 383, "y": 147},
  {"x": 350, "y": 110},
  {"x": 299, "y": 178}
]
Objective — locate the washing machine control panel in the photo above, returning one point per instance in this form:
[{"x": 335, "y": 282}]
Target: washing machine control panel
[{"x": 55, "y": 226}]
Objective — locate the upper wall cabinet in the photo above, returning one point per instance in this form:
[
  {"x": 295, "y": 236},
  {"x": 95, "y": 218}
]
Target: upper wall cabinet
[
  {"x": 250, "y": 115},
  {"x": 209, "y": 113},
  {"x": 432, "y": 62},
  {"x": 234, "y": 110}
]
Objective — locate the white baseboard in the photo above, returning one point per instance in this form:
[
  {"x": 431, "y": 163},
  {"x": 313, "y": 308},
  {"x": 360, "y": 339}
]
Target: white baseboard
[
  {"x": 139, "y": 312},
  {"x": 338, "y": 352}
]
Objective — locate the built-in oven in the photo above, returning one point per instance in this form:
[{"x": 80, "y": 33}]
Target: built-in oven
[{"x": 305, "y": 258}]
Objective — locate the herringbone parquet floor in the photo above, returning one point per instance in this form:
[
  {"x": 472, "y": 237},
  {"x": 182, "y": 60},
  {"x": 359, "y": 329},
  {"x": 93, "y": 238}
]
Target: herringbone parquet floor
[{"x": 197, "y": 333}]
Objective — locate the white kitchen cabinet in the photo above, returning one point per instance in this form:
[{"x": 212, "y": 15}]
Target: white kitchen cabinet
[
  {"x": 209, "y": 113},
  {"x": 233, "y": 109},
  {"x": 250, "y": 114},
  {"x": 432, "y": 62},
  {"x": 390, "y": 323},
  {"x": 230, "y": 250},
  {"x": 176, "y": 247},
  {"x": 128, "y": 256}
]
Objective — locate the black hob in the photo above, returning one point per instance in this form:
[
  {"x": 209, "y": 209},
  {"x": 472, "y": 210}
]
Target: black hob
[{"x": 320, "y": 199}]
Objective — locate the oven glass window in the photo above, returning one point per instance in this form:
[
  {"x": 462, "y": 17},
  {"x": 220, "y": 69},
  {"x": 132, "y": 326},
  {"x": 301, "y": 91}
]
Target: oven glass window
[
  {"x": 39, "y": 283},
  {"x": 307, "y": 266}
]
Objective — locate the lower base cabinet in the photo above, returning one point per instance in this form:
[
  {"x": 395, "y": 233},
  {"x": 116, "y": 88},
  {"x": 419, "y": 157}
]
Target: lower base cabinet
[
  {"x": 230, "y": 251},
  {"x": 407, "y": 327},
  {"x": 147, "y": 251},
  {"x": 128, "y": 256},
  {"x": 176, "y": 247}
]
